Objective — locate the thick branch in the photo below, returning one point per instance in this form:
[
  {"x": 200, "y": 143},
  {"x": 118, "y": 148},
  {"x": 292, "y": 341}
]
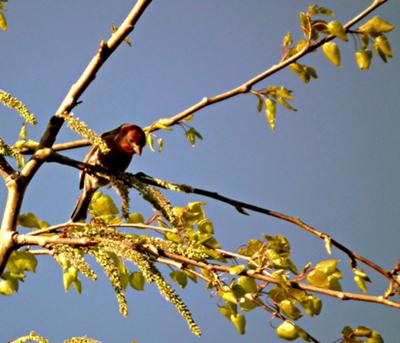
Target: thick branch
[
  {"x": 55, "y": 123},
  {"x": 44, "y": 241},
  {"x": 246, "y": 87}
]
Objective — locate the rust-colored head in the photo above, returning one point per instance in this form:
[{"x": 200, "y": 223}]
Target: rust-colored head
[{"x": 132, "y": 138}]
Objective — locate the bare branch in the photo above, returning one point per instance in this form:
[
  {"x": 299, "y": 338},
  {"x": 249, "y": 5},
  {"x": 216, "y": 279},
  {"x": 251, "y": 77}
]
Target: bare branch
[
  {"x": 246, "y": 87},
  {"x": 44, "y": 241}
]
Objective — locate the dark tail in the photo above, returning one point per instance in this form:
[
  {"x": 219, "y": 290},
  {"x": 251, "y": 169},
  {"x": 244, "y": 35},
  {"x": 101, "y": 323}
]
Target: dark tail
[{"x": 82, "y": 205}]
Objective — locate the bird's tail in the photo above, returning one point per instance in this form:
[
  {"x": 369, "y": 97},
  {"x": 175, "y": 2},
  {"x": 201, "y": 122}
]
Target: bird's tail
[{"x": 82, "y": 205}]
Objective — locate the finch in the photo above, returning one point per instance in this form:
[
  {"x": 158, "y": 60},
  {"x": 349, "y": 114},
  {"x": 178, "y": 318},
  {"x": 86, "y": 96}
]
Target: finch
[{"x": 124, "y": 142}]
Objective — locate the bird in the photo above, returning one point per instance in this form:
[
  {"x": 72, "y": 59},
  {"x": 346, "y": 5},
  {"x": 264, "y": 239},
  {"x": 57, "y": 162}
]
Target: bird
[{"x": 123, "y": 142}]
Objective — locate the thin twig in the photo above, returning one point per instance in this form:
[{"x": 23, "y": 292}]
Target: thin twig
[{"x": 44, "y": 241}]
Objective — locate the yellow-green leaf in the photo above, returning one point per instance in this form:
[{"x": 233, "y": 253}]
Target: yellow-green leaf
[
  {"x": 136, "y": 280},
  {"x": 270, "y": 112},
  {"x": 332, "y": 52},
  {"x": 382, "y": 43},
  {"x": 287, "y": 40},
  {"x": 135, "y": 218},
  {"x": 236, "y": 270},
  {"x": 239, "y": 321},
  {"x": 290, "y": 310},
  {"x": 179, "y": 277},
  {"x": 363, "y": 59},
  {"x": 8, "y": 285},
  {"x": 337, "y": 29},
  {"x": 248, "y": 284},
  {"x": 287, "y": 331},
  {"x": 376, "y": 25},
  {"x": 229, "y": 296},
  {"x": 3, "y": 22}
]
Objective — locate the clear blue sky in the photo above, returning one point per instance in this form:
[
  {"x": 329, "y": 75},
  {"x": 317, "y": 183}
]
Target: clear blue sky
[{"x": 335, "y": 163}]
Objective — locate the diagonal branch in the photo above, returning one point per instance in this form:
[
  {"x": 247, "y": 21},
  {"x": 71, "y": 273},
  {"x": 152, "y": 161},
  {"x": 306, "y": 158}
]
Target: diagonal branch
[
  {"x": 241, "y": 206},
  {"x": 246, "y": 87},
  {"x": 17, "y": 186}
]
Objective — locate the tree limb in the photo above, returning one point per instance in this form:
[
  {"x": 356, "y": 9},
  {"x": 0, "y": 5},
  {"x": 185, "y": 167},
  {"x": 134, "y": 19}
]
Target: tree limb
[{"x": 246, "y": 87}]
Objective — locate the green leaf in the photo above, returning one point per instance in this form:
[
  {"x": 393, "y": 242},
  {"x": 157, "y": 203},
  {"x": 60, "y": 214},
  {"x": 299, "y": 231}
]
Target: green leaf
[
  {"x": 334, "y": 283},
  {"x": 3, "y": 22},
  {"x": 270, "y": 112},
  {"x": 382, "y": 43},
  {"x": 205, "y": 226},
  {"x": 77, "y": 285},
  {"x": 248, "y": 284},
  {"x": 260, "y": 104},
  {"x": 21, "y": 261},
  {"x": 327, "y": 266},
  {"x": 363, "y": 59},
  {"x": 136, "y": 280},
  {"x": 305, "y": 24},
  {"x": 290, "y": 310},
  {"x": 360, "y": 278},
  {"x": 332, "y": 53},
  {"x": 312, "y": 305},
  {"x": 287, "y": 331},
  {"x": 225, "y": 311},
  {"x": 102, "y": 206},
  {"x": 304, "y": 72},
  {"x": 247, "y": 304},
  {"x": 229, "y": 296},
  {"x": 364, "y": 41},
  {"x": 287, "y": 40},
  {"x": 337, "y": 29},
  {"x": 315, "y": 10},
  {"x": 179, "y": 277},
  {"x": 135, "y": 218},
  {"x": 239, "y": 321},
  {"x": 29, "y": 220},
  {"x": 149, "y": 141},
  {"x": 236, "y": 270},
  {"x": 376, "y": 26},
  {"x": 318, "y": 278},
  {"x": 8, "y": 284}
]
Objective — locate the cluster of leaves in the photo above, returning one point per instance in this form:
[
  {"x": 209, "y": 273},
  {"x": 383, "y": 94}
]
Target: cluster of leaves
[
  {"x": 18, "y": 263},
  {"x": 268, "y": 97},
  {"x": 192, "y": 135},
  {"x": 313, "y": 27},
  {"x": 34, "y": 337},
  {"x": 373, "y": 30}
]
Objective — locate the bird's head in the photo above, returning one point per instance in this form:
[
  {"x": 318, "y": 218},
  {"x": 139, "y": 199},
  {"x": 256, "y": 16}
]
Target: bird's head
[{"x": 132, "y": 138}]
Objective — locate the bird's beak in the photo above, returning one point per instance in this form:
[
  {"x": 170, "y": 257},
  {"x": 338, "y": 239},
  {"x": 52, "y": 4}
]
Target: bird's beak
[{"x": 137, "y": 149}]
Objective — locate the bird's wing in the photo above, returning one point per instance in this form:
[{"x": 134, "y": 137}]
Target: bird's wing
[{"x": 91, "y": 155}]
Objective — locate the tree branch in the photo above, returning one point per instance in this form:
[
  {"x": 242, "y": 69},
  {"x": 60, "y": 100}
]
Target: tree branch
[
  {"x": 304, "y": 287},
  {"x": 44, "y": 241},
  {"x": 18, "y": 185},
  {"x": 241, "y": 206},
  {"x": 5, "y": 168},
  {"x": 246, "y": 86}
]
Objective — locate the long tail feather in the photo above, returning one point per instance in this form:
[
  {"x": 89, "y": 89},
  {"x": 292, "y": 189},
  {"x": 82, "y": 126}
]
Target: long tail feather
[{"x": 82, "y": 205}]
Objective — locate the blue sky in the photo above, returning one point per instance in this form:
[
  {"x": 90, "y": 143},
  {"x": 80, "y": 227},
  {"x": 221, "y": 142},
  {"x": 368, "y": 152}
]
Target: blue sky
[{"x": 335, "y": 163}]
